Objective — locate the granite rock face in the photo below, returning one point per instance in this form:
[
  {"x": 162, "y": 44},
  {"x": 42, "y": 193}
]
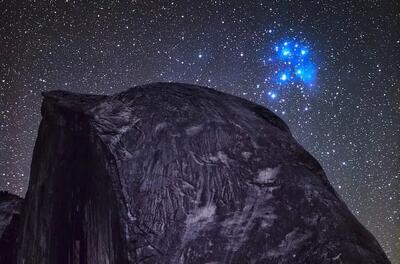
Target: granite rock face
[
  {"x": 176, "y": 173},
  {"x": 10, "y": 208}
]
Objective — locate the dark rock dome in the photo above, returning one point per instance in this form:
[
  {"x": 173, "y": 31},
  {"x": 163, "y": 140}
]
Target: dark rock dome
[{"x": 177, "y": 173}]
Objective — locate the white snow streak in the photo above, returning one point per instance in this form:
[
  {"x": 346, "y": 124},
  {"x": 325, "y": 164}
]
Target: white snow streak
[
  {"x": 201, "y": 214},
  {"x": 267, "y": 175}
]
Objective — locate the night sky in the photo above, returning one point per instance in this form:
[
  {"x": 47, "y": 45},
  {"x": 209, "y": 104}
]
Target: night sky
[{"x": 330, "y": 69}]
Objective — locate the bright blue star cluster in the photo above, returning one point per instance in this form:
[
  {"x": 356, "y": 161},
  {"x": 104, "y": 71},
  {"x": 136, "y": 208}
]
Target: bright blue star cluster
[{"x": 294, "y": 65}]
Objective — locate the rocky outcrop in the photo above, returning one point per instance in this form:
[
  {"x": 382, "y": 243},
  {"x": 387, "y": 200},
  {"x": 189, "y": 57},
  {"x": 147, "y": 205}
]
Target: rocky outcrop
[
  {"x": 176, "y": 173},
  {"x": 10, "y": 208}
]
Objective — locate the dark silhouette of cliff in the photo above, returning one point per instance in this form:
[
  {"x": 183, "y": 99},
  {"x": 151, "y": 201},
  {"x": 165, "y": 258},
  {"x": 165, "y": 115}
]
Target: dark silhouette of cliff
[{"x": 10, "y": 209}]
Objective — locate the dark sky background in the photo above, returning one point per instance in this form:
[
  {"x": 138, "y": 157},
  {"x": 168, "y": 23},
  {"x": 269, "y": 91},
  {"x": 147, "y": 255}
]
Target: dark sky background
[{"x": 349, "y": 120}]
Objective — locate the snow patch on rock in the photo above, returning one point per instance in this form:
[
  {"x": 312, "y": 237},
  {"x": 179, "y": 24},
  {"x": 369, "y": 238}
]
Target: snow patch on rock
[
  {"x": 201, "y": 214},
  {"x": 246, "y": 155},
  {"x": 267, "y": 175},
  {"x": 239, "y": 225},
  {"x": 220, "y": 157},
  {"x": 197, "y": 221},
  {"x": 193, "y": 130},
  {"x": 290, "y": 243},
  {"x": 160, "y": 126}
]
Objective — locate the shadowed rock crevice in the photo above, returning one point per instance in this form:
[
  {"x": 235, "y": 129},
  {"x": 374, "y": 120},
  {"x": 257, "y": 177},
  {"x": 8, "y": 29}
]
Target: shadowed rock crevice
[
  {"x": 10, "y": 209},
  {"x": 177, "y": 173}
]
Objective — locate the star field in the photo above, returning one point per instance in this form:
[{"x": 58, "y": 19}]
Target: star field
[{"x": 338, "y": 89}]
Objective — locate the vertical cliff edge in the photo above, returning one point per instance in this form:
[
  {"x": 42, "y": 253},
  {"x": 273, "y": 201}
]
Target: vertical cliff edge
[{"x": 176, "y": 173}]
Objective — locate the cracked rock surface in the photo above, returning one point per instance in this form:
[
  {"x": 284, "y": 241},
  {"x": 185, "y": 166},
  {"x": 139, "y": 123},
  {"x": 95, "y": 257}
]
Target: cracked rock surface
[{"x": 176, "y": 173}]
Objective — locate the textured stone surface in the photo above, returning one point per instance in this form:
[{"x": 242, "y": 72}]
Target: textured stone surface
[
  {"x": 175, "y": 173},
  {"x": 10, "y": 208}
]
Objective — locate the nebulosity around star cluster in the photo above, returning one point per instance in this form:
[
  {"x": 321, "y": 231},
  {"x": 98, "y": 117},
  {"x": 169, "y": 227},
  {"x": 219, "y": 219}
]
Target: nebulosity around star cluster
[{"x": 295, "y": 68}]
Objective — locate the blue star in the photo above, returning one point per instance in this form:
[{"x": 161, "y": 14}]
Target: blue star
[{"x": 272, "y": 95}]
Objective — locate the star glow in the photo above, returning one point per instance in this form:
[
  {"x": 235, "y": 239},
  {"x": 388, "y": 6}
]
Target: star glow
[{"x": 294, "y": 61}]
